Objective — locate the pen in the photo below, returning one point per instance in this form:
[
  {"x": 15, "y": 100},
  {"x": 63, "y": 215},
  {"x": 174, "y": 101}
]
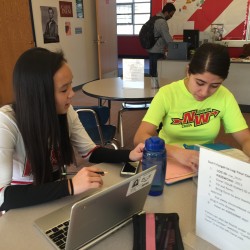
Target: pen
[
  {"x": 101, "y": 172},
  {"x": 191, "y": 147}
]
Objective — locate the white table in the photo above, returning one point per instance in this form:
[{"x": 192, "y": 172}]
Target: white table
[
  {"x": 112, "y": 89},
  {"x": 17, "y": 230}
]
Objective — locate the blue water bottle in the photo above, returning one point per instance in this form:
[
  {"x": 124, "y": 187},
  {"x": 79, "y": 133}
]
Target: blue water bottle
[{"x": 154, "y": 153}]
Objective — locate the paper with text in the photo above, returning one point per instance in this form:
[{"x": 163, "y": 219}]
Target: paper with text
[
  {"x": 223, "y": 200},
  {"x": 133, "y": 73}
]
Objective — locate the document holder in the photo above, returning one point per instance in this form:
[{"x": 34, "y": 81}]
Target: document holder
[{"x": 157, "y": 231}]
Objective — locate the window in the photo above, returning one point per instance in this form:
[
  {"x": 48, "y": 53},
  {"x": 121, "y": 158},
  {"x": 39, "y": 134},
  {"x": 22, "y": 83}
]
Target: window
[{"x": 131, "y": 15}]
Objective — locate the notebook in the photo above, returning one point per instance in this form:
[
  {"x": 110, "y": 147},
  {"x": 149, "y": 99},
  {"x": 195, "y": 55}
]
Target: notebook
[
  {"x": 92, "y": 219},
  {"x": 177, "y": 172}
]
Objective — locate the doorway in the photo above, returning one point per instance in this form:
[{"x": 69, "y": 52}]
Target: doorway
[
  {"x": 106, "y": 38},
  {"x": 16, "y": 37}
]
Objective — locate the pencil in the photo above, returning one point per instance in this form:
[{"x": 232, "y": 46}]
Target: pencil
[{"x": 101, "y": 172}]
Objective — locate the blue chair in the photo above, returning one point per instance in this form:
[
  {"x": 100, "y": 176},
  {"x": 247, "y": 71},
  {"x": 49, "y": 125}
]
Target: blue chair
[{"x": 95, "y": 121}]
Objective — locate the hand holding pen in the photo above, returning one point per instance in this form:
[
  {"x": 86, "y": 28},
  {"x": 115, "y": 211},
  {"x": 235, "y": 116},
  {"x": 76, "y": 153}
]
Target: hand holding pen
[
  {"x": 190, "y": 157},
  {"x": 187, "y": 157},
  {"x": 102, "y": 173},
  {"x": 87, "y": 178}
]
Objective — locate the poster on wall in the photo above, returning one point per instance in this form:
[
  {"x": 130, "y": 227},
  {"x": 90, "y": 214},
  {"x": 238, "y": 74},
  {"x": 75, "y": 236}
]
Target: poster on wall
[
  {"x": 49, "y": 24},
  {"x": 65, "y": 9},
  {"x": 79, "y": 9},
  {"x": 217, "y": 31},
  {"x": 68, "y": 28}
]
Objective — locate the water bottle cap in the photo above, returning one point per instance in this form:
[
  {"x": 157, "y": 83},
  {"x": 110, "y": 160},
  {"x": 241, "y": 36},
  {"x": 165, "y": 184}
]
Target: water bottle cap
[{"x": 154, "y": 143}]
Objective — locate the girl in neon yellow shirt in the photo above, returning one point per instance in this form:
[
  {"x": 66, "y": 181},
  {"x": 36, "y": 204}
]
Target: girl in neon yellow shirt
[{"x": 191, "y": 110}]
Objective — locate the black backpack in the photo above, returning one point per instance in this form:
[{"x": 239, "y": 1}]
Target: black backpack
[{"x": 146, "y": 35}]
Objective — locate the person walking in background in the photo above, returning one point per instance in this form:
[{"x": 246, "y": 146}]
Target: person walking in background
[
  {"x": 161, "y": 30},
  {"x": 38, "y": 132},
  {"x": 51, "y": 30},
  {"x": 191, "y": 110}
]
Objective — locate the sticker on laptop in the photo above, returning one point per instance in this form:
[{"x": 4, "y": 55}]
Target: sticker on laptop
[{"x": 140, "y": 182}]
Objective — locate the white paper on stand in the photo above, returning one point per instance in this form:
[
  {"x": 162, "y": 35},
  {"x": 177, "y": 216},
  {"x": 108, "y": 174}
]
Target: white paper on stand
[
  {"x": 223, "y": 200},
  {"x": 133, "y": 73}
]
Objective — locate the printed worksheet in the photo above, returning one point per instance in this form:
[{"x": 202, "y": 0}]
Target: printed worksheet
[
  {"x": 223, "y": 200},
  {"x": 133, "y": 73}
]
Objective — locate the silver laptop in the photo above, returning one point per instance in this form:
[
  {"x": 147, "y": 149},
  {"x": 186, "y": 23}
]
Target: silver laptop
[{"x": 88, "y": 221}]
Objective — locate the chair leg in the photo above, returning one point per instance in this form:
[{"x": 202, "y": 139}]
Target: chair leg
[
  {"x": 114, "y": 145},
  {"x": 118, "y": 121},
  {"x": 121, "y": 128}
]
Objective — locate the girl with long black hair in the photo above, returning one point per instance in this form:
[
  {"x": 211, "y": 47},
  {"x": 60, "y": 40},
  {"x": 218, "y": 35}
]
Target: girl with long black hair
[{"x": 38, "y": 132}]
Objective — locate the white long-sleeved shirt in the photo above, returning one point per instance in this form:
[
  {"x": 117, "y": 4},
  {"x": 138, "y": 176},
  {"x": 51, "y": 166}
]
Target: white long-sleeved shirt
[{"x": 14, "y": 167}]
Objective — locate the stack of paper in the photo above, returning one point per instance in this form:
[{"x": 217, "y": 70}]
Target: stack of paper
[{"x": 177, "y": 172}]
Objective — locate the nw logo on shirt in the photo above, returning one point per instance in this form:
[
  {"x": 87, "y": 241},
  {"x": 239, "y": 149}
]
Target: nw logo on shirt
[{"x": 196, "y": 117}]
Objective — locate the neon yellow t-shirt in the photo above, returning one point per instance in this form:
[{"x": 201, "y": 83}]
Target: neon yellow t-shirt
[{"x": 186, "y": 120}]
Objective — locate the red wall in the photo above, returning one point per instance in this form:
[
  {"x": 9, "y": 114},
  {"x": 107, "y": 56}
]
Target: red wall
[
  {"x": 130, "y": 46},
  {"x": 235, "y": 52}
]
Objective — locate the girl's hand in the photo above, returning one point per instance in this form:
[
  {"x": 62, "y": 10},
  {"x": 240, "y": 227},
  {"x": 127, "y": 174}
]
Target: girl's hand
[
  {"x": 136, "y": 153},
  {"x": 87, "y": 179},
  {"x": 188, "y": 158}
]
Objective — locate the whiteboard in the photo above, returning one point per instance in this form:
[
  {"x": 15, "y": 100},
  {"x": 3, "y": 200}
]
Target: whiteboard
[{"x": 79, "y": 47}]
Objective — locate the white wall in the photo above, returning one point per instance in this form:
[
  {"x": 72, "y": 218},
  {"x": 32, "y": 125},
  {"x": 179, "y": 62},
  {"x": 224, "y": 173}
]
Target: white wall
[{"x": 80, "y": 49}]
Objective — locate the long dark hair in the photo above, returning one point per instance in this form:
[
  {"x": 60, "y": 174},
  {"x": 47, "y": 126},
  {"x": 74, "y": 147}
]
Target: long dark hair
[
  {"x": 212, "y": 58},
  {"x": 42, "y": 129}
]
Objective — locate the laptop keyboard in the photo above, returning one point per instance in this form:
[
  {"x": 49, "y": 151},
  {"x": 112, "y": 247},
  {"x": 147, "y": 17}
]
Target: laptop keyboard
[{"x": 58, "y": 234}]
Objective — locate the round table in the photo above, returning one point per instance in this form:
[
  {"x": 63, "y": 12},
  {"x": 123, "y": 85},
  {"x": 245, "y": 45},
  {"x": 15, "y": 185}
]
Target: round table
[{"x": 113, "y": 89}]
